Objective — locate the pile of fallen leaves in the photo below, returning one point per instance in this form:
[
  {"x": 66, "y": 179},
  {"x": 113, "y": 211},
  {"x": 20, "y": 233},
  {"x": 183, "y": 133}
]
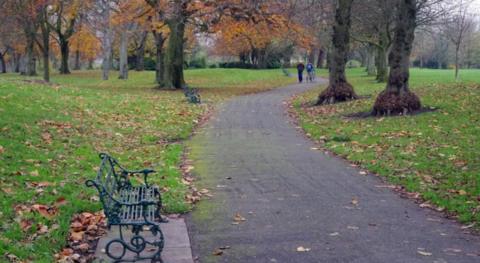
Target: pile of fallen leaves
[
  {"x": 193, "y": 194},
  {"x": 85, "y": 231}
]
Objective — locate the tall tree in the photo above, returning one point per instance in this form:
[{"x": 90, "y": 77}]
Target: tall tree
[
  {"x": 339, "y": 89},
  {"x": 397, "y": 97},
  {"x": 139, "y": 43},
  {"x": 457, "y": 27},
  {"x": 105, "y": 28},
  {"x": 44, "y": 44},
  {"x": 64, "y": 16}
]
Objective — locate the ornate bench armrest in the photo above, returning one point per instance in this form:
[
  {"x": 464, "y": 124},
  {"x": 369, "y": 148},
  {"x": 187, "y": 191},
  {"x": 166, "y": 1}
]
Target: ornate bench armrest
[{"x": 145, "y": 173}]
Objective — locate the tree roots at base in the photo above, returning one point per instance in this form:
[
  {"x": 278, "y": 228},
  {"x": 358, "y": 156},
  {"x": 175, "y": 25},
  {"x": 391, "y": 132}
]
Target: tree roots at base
[
  {"x": 393, "y": 103},
  {"x": 339, "y": 93}
]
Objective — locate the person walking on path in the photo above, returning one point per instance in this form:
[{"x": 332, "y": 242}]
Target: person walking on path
[
  {"x": 310, "y": 72},
  {"x": 300, "y": 69}
]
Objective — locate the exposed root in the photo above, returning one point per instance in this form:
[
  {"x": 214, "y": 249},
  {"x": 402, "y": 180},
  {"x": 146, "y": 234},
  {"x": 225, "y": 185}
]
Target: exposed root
[
  {"x": 393, "y": 103},
  {"x": 337, "y": 93}
]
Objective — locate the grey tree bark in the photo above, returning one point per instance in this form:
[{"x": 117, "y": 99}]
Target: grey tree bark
[
  {"x": 140, "y": 52},
  {"x": 321, "y": 58},
  {"x": 123, "y": 66},
  {"x": 106, "y": 40},
  {"x": 30, "y": 61},
  {"x": 45, "y": 44},
  {"x": 174, "y": 58},
  {"x": 77, "y": 65},
  {"x": 371, "y": 68},
  {"x": 159, "y": 60},
  {"x": 381, "y": 57}
]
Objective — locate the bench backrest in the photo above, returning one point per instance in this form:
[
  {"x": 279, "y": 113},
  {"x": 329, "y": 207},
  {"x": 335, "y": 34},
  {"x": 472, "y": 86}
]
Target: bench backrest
[{"x": 109, "y": 180}]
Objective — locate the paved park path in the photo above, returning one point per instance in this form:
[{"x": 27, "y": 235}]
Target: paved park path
[{"x": 257, "y": 164}]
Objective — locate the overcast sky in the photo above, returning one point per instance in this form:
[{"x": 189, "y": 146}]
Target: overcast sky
[{"x": 476, "y": 6}]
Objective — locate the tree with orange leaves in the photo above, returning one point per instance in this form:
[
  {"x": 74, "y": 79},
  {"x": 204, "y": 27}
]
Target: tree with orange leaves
[
  {"x": 85, "y": 44},
  {"x": 261, "y": 41}
]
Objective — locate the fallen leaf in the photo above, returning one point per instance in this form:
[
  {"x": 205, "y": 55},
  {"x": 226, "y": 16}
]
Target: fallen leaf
[
  {"x": 468, "y": 226},
  {"x": 12, "y": 257},
  {"x": 42, "y": 229},
  {"x": 25, "y": 224},
  {"x": 454, "y": 250},
  {"x": 224, "y": 247},
  {"x": 76, "y": 236},
  {"x": 47, "y": 137},
  {"x": 334, "y": 234},
  {"x": 2, "y": 150},
  {"x": 67, "y": 252},
  {"x": 46, "y": 211},
  {"x": 239, "y": 218},
  {"x": 217, "y": 252},
  {"x": 189, "y": 168},
  {"x": 77, "y": 226},
  {"x": 354, "y": 201},
  {"x": 60, "y": 201},
  {"x": 424, "y": 253},
  {"x": 462, "y": 192},
  {"x": 303, "y": 249},
  {"x": 83, "y": 247},
  {"x": 34, "y": 173}
]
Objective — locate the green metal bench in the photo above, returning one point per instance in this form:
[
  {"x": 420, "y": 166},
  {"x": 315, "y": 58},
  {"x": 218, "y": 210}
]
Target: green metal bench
[
  {"x": 130, "y": 207},
  {"x": 192, "y": 95}
]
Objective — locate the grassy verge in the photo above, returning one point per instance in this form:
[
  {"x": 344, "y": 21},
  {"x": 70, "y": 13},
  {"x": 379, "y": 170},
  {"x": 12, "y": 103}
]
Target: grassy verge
[
  {"x": 51, "y": 134},
  {"x": 435, "y": 154}
]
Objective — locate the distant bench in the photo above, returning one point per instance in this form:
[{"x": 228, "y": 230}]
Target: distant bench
[
  {"x": 192, "y": 95},
  {"x": 135, "y": 208}
]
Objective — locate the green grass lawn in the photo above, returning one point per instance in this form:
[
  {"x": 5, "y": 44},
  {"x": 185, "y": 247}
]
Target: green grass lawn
[
  {"x": 435, "y": 154},
  {"x": 51, "y": 136}
]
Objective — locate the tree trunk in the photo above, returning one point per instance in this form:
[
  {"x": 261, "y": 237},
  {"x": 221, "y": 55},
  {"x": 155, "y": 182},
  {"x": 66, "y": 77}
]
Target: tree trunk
[
  {"x": 77, "y": 65},
  {"x": 321, "y": 58},
  {"x": 140, "y": 53},
  {"x": 160, "y": 59},
  {"x": 457, "y": 64},
  {"x": 90, "y": 64},
  {"x": 371, "y": 69},
  {"x": 2, "y": 63},
  {"x": 123, "y": 67},
  {"x": 311, "y": 55},
  {"x": 65, "y": 52},
  {"x": 381, "y": 64},
  {"x": 174, "y": 58},
  {"x": 46, "y": 52},
  {"x": 16, "y": 62},
  {"x": 106, "y": 42},
  {"x": 339, "y": 89},
  {"x": 397, "y": 97},
  {"x": 45, "y": 45},
  {"x": 30, "y": 63},
  {"x": 381, "y": 59}
]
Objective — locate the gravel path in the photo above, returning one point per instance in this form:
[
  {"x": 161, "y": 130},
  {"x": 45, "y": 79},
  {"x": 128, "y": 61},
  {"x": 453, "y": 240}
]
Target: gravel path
[{"x": 257, "y": 164}]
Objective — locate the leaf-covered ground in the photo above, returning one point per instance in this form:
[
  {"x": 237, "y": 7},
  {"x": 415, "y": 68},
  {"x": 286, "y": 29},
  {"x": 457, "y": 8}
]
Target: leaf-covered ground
[
  {"x": 50, "y": 136},
  {"x": 435, "y": 154}
]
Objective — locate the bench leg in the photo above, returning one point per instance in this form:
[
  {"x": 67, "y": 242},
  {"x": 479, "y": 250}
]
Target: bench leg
[{"x": 136, "y": 244}]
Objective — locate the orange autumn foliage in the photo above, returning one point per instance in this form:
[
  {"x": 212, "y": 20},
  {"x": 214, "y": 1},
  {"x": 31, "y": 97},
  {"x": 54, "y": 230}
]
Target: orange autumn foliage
[
  {"x": 234, "y": 37},
  {"x": 85, "y": 41}
]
